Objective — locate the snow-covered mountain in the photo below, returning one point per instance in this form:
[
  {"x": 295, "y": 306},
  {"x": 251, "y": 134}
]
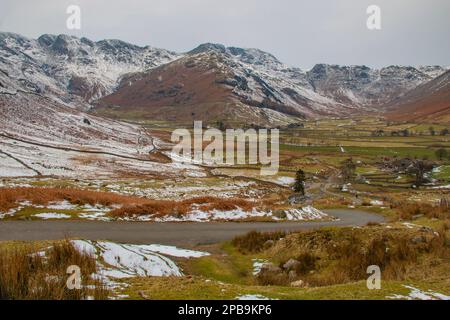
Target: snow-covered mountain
[
  {"x": 72, "y": 70},
  {"x": 212, "y": 81},
  {"x": 45, "y": 84},
  {"x": 260, "y": 77},
  {"x": 213, "y": 74}
]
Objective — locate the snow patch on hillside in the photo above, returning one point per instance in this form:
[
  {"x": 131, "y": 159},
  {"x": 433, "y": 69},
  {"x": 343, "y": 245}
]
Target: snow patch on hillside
[{"x": 129, "y": 260}]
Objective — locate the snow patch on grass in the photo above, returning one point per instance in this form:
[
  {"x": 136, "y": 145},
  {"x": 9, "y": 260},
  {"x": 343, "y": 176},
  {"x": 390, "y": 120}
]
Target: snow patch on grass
[
  {"x": 302, "y": 214},
  {"x": 52, "y": 215},
  {"x": 174, "y": 251},
  {"x": 411, "y": 225},
  {"x": 203, "y": 216},
  {"x": 285, "y": 181},
  {"x": 417, "y": 294},
  {"x": 131, "y": 261},
  {"x": 252, "y": 297},
  {"x": 305, "y": 213},
  {"x": 442, "y": 187},
  {"x": 8, "y": 213},
  {"x": 61, "y": 205}
]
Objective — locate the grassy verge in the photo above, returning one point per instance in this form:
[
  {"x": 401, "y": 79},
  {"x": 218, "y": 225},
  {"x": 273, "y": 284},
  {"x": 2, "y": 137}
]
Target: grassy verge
[
  {"x": 194, "y": 288},
  {"x": 226, "y": 265}
]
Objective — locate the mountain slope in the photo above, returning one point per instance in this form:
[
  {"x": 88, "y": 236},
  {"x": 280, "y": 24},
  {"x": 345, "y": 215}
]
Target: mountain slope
[
  {"x": 45, "y": 83},
  {"x": 196, "y": 87},
  {"x": 39, "y": 136},
  {"x": 429, "y": 101}
]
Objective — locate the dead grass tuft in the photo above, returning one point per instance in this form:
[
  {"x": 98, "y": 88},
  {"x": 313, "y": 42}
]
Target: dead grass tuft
[
  {"x": 180, "y": 208},
  {"x": 10, "y": 197},
  {"x": 27, "y": 275},
  {"x": 131, "y": 206},
  {"x": 410, "y": 210}
]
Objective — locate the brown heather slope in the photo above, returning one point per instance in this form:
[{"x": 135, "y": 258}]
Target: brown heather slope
[
  {"x": 191, "y": 88},
  {"x": 180, "y": 91},
  {"x": 427, "y": 102},
  {"x": 177, "y": 87}
]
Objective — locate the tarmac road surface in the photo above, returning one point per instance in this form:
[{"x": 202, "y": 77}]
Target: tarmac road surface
[{"x": 180, "y": 234}]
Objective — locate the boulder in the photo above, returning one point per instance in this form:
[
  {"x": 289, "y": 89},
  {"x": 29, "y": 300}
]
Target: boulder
[
  {"x": 298, "y": 284},
  {"x": 297, "y": 198},
  {"x": 418, "y": 239},
  {"x": 291, "y": 264},
  {"x": 270, "y": 267}
]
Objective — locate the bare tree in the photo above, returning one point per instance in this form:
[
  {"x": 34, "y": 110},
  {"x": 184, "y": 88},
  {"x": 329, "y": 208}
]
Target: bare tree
[{"x": 419, "y": 168}]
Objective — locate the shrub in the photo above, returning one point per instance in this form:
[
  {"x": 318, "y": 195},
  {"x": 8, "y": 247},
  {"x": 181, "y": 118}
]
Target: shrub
[
  {"x": 307, "y": 262},
  {"x": 254, "y": 241},
  {"x": 266, "y": 278}
]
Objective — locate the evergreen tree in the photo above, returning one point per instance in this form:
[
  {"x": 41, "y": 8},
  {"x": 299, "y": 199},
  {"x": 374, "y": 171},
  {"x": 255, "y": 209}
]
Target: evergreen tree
[{"x": 299, "y": 185}]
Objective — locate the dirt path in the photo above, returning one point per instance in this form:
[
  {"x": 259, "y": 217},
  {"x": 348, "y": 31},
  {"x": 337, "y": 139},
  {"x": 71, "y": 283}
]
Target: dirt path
[{"x": 181, "y": 234}]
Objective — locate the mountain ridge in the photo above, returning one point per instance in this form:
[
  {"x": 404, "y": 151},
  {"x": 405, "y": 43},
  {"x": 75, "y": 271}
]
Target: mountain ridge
[{"x": 86, "y": 74}]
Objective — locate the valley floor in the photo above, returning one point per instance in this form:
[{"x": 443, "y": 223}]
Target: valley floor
[{"x": 129, "y": 211}]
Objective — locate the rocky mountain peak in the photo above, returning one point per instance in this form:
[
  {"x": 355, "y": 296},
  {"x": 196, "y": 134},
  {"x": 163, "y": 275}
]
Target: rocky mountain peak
[
  {"x": 47, "y": 40},
  {"x": 114, "y": 45},
  {"x": 66, "y": 45},
  {"x": 205, "y": 47}
]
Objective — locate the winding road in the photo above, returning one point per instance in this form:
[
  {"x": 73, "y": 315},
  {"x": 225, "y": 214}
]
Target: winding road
[{"x": 180, "y": 234}]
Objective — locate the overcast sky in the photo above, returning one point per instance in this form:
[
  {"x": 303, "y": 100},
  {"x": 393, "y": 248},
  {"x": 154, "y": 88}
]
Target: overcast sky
[{"x": 299, "y": 33}]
